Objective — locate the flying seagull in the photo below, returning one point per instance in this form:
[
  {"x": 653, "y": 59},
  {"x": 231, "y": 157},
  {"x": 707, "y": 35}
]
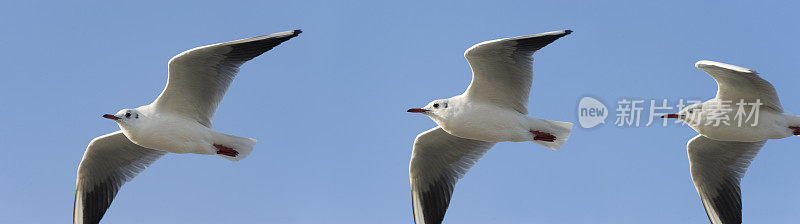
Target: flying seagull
[
  {"x": 491, "y": 110},
  {"x": 720, "y": 154},
  {"x": 179, "y": 121}
]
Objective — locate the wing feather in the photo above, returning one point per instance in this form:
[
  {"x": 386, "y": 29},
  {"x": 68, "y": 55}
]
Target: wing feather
[
  {"x": 735, "y": 83},
  {"x": 439, "y": 159},
  {"x": 109, "y": 162},
  {"x": 502, "y": 70},
  {"x": 199, "y": 78},
  {"x": 717, "y": 168}
]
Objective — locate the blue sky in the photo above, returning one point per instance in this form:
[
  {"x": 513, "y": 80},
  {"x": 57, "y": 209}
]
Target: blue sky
[{"x": 328, "y": 108}]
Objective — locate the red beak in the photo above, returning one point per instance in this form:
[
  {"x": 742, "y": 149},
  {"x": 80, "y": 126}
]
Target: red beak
[
  {"x": 417, "y": 110},
  {"x": 112, "y": 117},
  {"x": 670, "y": 116}
]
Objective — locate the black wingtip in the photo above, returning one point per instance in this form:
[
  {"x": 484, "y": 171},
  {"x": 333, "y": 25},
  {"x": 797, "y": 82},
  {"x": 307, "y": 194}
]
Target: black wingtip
[
  {"x": 533, "y": 43},
  {"x": 297, "y": 32}
]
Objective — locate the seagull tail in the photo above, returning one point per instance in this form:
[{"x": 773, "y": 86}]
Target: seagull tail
[
  {"x": 559, "y": 129},
  {"x": 242, "y": 145},
  {"x": 795, "y": 121}
]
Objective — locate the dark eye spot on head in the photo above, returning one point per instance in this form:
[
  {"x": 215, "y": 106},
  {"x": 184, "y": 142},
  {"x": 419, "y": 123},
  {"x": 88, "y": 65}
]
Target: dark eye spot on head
[
  {"x": 435, "y": 105},
  {"x": 137, "y": 116},
  {"x": 445, "y": 105},
  {"x": 128, "y": 114}
]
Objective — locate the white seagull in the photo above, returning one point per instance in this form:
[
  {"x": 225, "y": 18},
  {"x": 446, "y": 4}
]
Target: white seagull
[
  {"x": 179, "y": 121},
  {"x": 720, "y": 154},
  {"x": 491, "y": 110}
]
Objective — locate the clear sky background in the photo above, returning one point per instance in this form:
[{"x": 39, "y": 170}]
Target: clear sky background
[{"x": 328, "y": 108}]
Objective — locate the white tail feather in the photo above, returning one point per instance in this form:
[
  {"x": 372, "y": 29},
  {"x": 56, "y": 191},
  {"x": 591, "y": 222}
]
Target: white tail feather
[
  {"x": 242, "y": 145},
  {"x": 558, "y": 128}
]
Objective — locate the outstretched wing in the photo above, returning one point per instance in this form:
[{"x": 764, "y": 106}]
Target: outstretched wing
[
  {"x": 439, "y": 159},
  {"x": 717, "y": 167},
  {"x": 502, "y": 70},
  {"x": 735, "y": 83},
  {"x": 198, "y": 78},
  {"x": 109, "y": 161}
]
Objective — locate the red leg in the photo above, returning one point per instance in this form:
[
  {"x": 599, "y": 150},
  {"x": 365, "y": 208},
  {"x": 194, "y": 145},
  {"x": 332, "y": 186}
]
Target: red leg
[
  {"x": 796, "y": 130},
  {"x": 543, "y": 136},
  {"x": 224, "y": 150}
]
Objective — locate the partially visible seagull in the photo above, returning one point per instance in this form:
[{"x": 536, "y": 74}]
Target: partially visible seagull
[
  {"x": 720, "y": 154},
  {"x": 491, "y": 110},
  {"x": 179, "y": 121}
]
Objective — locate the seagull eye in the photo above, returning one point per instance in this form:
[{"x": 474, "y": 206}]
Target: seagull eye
[
  {"x": 435, "y": 105},
  {"x": 128, "y": 115}
]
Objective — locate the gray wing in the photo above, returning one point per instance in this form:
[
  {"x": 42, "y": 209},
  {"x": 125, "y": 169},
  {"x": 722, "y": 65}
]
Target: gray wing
[
  {"x": 735, "y": 83},
  {"x": 437, "y": 162},
  {"x": 717, "y": 167},
  {"x": 198, "y": 78},
  {"x": 502, "y": 70},
  {"x": 109, "y": 161}
]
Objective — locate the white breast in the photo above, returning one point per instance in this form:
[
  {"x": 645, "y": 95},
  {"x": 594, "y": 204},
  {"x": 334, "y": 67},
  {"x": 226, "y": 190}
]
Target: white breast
[
  {"x": 487, "y": 123},
  {"x": 770, "y": 125},
  {"x": 172, "y": 134}
]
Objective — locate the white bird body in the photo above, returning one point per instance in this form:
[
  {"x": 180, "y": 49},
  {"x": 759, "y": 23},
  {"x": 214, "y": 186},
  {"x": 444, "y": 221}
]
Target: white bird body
[
  {"x": 770, "y": 124},
  {"x": 168, "y": 132},
  {"x": 177, "y": 134},
  {"x": 477, "y": 120},
  {"x": 484, "y": 122}
]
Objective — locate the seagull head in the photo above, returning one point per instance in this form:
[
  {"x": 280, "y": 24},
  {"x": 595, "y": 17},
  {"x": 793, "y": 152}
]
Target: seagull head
[
  {"x": 435, "y": 109},
  {"x": 125, "y": 116}
]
